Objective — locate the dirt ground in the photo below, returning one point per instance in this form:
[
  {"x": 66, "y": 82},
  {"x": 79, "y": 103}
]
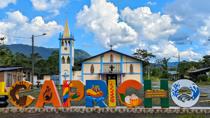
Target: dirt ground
[{"x": 97, "y": 115}]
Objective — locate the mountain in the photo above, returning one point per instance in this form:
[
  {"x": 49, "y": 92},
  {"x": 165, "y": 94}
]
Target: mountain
[
  {"x": 44, "y": 52},
  {"x": 173, "y": 64},
  {"x": 170, "y": 64}
]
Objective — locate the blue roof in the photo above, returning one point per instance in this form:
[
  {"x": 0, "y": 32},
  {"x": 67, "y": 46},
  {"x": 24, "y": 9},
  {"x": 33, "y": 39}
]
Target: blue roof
[{"x": 9, "y": 68}]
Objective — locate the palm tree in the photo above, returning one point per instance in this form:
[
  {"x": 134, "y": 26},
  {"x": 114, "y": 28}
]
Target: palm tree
[
  {"x": 143, "y": 55},
  {"x": 164, "y": 66}
]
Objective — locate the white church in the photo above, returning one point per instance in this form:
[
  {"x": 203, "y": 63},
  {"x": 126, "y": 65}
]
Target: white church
[{"x": 104, "y": 66}]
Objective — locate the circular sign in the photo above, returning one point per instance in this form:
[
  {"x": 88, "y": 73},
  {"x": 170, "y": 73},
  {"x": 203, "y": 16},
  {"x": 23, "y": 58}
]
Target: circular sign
[{"x": 185, "y": 93}]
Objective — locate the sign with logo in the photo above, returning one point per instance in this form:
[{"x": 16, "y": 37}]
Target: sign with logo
[
  {"x": 156, "y": 94},
  {"x": 185, "y": 93}
]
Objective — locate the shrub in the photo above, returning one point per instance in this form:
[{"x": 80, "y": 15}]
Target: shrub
[{"x": 203, "y": 77}]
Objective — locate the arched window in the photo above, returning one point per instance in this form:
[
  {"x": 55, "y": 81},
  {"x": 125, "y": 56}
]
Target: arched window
[
  {"x": 131, "y": 68},
  {"x": 92, "y": 69},
  {"x": 63, "y": 60},
  {"x": 68, "y": 60},
  {"x": 62, "y": 43},
  {"x": 111, "y": 58},
  {"x": 66, "y": 42},
  {"x": 69, "y": 42}
]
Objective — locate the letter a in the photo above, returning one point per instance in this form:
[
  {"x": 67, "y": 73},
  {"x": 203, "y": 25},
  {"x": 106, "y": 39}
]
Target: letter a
[{"x": 48, "y": 94}]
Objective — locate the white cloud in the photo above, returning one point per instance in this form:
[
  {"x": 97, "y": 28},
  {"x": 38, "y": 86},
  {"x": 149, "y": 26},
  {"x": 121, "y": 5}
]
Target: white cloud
[
  {"x": 5, "y": 3},
  {"x": 150, "y": 25},
  {"x": 102, "y": 19},
  {"x": 204, "y": 30},
  {"x": 139, "y": 28},
  {"x": 52, "y": 6},
  {"x": 151, "y": 3},
  {"x": 153, "y": 29},
  {"x": 17, "y": 25},
  {"x": 16, "y": 17},
  {"x": 190, "y": 55}
]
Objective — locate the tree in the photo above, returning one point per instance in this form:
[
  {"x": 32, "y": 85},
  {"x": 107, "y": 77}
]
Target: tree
[
  {"x": 206, "y": 61},
  {"x": 164, "y": 66},
  {"x": 143, "y": 55},
  {"x": 186, "y": 66},
  {"x": 53, "y": 61},
  {"x": 42, "y": 67},
  {"x": 20, "y": 59},
  {"x": 6, "y": 57}
]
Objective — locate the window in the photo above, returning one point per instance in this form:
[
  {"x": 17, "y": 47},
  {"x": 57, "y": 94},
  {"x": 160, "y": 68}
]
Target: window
[
  {"x": 9, "y": 80},
  {"x": 69, "y": 42},
  {"x": 92, "y": 69},
  {"x": 131, "y": 68},
  {"x": 62, "y": 43},
  {"x": 63, "y": 60},
  {"x": 68, "y": 60},
  {"x": 111, "y": 58}
]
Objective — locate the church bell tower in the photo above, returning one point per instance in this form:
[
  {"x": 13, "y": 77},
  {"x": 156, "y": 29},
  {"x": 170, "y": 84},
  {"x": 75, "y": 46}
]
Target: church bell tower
[{"x": 66, "y": 55}]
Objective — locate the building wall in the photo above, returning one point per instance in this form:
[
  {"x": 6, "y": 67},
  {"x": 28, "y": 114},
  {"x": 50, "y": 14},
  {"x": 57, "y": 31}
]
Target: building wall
[
  {"x": 121, "y": 60},
  {"x": 131, "y": 77},
  {"x": 91, "y": 77},
  {"x": 1, "y": 76},
  {"x": 87, "y": 68},
  {"x": 77, "y": 75},
  {"x": 12, "y": 77},
  {"x": 116, "y": 57}
]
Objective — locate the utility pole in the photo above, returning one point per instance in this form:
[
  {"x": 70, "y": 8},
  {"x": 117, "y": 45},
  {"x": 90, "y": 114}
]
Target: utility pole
[
  {"x": 32, "y": 55},
  {"x": 32, "y": 59},
  {"x": 178, "y": 65}
]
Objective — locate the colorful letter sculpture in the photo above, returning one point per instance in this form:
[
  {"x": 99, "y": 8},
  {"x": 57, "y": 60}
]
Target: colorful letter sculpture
[
  {"x": 24, "y": 100},
  {"x": 162, "y": 93},
  {"x": 112, "y": 98},
  {"x": 3, "y": 95},
  {"x": 96, "y": 91},
  {"x": 68, "y": 95},
  {"x": 129, "y": 100},
  {"x": 185, "y": 93},
  {"x": 48, "y": 95}
]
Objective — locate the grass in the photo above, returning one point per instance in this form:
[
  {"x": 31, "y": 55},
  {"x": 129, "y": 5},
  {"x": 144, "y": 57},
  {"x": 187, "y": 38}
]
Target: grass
[
  {"x": 152, "y": 78},
  {"x": 191, "y": 116},
  {"x": 203, "y": 83}
]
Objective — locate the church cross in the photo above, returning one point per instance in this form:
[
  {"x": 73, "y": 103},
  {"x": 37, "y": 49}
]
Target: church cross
[
  {"x": 111, "y": 68},
  {"x": 65, "y": 75}
]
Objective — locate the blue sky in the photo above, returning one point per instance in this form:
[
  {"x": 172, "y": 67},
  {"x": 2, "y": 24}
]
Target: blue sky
[{"x": 163, "y": 27}]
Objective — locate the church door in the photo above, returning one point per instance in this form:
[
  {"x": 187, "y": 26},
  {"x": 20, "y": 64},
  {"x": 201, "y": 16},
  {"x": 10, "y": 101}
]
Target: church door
[{"x": 111, "y": 77}]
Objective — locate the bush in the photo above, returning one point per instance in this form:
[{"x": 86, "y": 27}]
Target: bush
[{"x": 203, "y": 77}]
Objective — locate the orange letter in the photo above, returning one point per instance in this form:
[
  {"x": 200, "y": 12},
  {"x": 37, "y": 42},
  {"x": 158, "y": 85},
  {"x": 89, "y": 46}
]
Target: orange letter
[
  {"x": 48, "y": 94},
  {"x": 68, "y": 95},
  {"x": 15, "y": 99},
  {"x": 129, "y": 100}
]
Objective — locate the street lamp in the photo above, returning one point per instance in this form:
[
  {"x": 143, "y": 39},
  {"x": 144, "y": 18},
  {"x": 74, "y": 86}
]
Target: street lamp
[{"x": 32, "y": 55}]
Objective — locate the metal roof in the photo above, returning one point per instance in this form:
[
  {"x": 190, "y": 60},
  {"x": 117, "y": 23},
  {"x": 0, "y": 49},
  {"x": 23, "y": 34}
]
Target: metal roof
[
  {"x": 200, "y": 70},
  {"x": 9, "y": 68}
]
